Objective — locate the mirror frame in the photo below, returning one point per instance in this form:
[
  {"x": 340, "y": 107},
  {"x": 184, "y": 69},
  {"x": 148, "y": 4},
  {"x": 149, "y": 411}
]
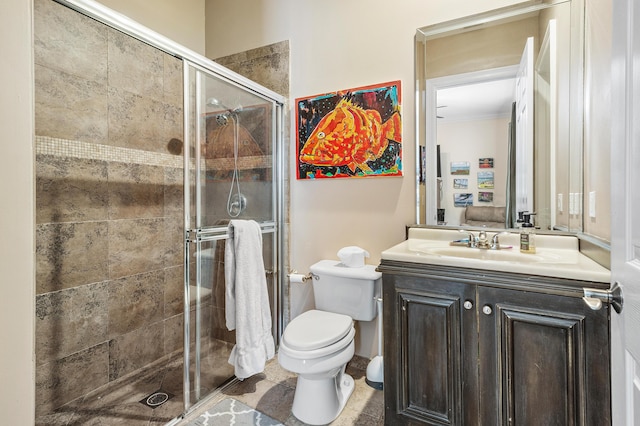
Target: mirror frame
[{"x": 425, "y": 103}]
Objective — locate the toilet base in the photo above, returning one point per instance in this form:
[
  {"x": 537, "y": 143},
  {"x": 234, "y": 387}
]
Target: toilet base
[{"x": 319, "y": 401}]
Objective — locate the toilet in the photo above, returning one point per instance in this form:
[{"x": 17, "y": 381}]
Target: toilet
[{"x": 318, "y": 344}]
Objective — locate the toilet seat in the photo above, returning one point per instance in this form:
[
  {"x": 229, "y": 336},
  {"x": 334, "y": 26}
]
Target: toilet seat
[
  {"x": 316, "y": 329},
  {"x": 314, "y": 334},
  {"x": 321, "y": 352}
]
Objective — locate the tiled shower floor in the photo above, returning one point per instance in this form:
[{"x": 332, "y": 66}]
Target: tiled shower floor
[
  {"x": 119, "y": 403},
  {"x": 270, "y": 392}
]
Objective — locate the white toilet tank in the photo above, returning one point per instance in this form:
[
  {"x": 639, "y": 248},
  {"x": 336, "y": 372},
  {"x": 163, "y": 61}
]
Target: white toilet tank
[{"x": 350, "y": 291}]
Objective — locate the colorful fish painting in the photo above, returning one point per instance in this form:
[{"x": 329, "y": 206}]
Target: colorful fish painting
[{"x": 357, "y": 133}]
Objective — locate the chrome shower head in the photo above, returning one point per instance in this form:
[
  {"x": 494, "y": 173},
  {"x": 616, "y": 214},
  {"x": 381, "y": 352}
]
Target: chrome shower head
[
  {"x": 214, "y": 102},
  {"x": 222, "y": 119}
]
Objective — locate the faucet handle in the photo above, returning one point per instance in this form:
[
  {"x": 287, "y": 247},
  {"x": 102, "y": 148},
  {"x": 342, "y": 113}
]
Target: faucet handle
[
  {"x": 495, "y": 242},
  {"x": 473, "y": 240}
]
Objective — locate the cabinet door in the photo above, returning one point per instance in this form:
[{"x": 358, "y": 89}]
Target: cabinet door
[
  {"x": 432, "y": 374},
  {"x": 544, "y": 360}
]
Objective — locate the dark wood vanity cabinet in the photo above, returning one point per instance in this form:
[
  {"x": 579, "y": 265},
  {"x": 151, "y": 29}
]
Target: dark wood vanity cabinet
[{"x": 464, "y": 347}]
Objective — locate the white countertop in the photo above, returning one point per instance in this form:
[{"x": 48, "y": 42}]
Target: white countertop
[{"x": 556, "y": 255}]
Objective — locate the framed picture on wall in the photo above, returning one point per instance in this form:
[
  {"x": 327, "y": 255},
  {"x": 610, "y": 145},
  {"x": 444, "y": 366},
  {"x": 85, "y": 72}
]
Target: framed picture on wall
[
  {"x": 460, "y": 167},
  {"x": 462, "y": 200},
  {"x": 459, "y": 183},
  {"x": 485, "y": 180},
  {"x": 485, "y": 197},
  {"x": 485, "y": 163},
  {"x": 355, "y": 132}
]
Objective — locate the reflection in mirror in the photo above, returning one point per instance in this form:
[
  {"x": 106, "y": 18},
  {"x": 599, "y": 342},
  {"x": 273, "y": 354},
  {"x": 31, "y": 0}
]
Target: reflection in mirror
[{"x": 497, "y": 117}]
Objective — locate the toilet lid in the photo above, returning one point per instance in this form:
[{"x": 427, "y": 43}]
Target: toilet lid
[{"x": 316, "y": 329}]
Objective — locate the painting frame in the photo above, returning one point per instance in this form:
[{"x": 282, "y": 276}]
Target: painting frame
[
  {"x": 352, "y": 133},
  {"x": 462, "y": 199},
  {"x": 486, "y": 180},
  {"x": 460, "y": 183},
  {"x": 485, "y": 197},
  {"x": 460, "y": 168},
  {"x": 485, "y": 163}
]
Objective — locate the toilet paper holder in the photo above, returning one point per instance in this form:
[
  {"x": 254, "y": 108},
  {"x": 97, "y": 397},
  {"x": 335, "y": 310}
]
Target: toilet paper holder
[{"x": 295, "y": 277}]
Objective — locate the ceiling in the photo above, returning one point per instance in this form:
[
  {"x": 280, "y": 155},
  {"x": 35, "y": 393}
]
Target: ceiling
[{"x": 476, "y": 101}]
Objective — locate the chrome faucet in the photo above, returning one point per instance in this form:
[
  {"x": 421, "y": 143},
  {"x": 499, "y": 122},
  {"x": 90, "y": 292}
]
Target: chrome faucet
[
  {"x": 482, "y": 242},
  {"x": 495, "y": 242},
  {"x": 473, "y": 240}
]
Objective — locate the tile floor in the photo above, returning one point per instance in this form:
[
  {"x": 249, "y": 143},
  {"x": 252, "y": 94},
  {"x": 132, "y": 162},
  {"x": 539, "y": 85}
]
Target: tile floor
[{"x": 272, "y": 392}]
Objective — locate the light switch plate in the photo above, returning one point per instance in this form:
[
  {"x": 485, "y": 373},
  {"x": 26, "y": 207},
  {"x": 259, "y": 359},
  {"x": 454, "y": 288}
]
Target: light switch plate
[
  {"x": 560, "y": 202},
  {"x": 572, "y": 203}
]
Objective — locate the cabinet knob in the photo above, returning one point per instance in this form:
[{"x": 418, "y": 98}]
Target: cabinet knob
[
  {"x": 468, "y": 304},
  {"x": 486, "y": 309}
]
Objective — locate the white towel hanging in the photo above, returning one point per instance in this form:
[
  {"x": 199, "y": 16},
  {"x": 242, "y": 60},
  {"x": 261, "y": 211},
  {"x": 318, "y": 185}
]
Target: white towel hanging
[{"x": 247, "y": 307}]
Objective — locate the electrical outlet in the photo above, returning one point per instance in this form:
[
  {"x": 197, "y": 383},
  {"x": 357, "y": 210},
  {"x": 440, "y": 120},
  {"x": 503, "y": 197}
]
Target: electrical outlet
[
  {"x": 560, "y": 202},
  {"x": 572, "y": 203},
  {"x": 592, "y": 204}
]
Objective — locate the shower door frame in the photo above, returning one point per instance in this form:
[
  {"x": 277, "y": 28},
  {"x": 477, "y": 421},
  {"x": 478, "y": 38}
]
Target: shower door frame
[
  {"x": 197, "y": 233},
  {"x": 132, "y": 28}
]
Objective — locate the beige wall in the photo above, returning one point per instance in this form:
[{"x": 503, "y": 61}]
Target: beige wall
[
  {"x": 338, "y": 45},
  {"x": 16, "y": 215},
  {"x": 485, "y": 48},
  {"x": 181, "y": 21},
  {"x": 469, "y": 141}
]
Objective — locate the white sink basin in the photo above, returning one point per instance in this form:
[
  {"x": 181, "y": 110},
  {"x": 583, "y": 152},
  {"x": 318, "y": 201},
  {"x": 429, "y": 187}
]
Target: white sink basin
[
  {"x": 556, "y": 255},
  {"x": 505, "y": 255}
]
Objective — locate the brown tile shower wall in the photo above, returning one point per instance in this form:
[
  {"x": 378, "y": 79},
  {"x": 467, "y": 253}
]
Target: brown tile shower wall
[{"x": 109, "y": 205}]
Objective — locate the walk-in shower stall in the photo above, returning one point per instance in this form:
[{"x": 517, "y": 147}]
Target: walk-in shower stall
[{"x": 145, "y": 151}]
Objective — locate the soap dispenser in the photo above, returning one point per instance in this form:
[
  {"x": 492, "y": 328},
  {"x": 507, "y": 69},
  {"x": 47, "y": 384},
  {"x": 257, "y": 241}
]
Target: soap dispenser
[{"x": 527, "y": 235}]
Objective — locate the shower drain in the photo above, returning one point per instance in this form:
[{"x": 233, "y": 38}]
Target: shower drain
[{"x": 156, "y": 399}]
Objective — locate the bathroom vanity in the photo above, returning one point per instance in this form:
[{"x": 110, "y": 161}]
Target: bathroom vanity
[{"x": 493, "y": 337}]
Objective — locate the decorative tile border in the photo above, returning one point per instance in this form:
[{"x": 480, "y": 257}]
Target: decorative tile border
[{"x": 77, "y": 149}]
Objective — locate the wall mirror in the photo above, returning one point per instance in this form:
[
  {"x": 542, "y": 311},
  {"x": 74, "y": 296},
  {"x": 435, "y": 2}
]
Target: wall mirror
[{"x": 499, "y": 117}]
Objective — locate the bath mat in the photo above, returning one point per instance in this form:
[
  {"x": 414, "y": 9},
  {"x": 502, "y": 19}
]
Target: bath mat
[{"x": 232, "y": 412}]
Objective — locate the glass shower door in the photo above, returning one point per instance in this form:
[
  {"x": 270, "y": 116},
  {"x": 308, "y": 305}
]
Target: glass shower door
[{"x": 231, "y": 172}]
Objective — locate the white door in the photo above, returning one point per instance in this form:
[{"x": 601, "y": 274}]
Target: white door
[
  {"x": 625, "y": 215},
  {"x": 524, "y": 130}
]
